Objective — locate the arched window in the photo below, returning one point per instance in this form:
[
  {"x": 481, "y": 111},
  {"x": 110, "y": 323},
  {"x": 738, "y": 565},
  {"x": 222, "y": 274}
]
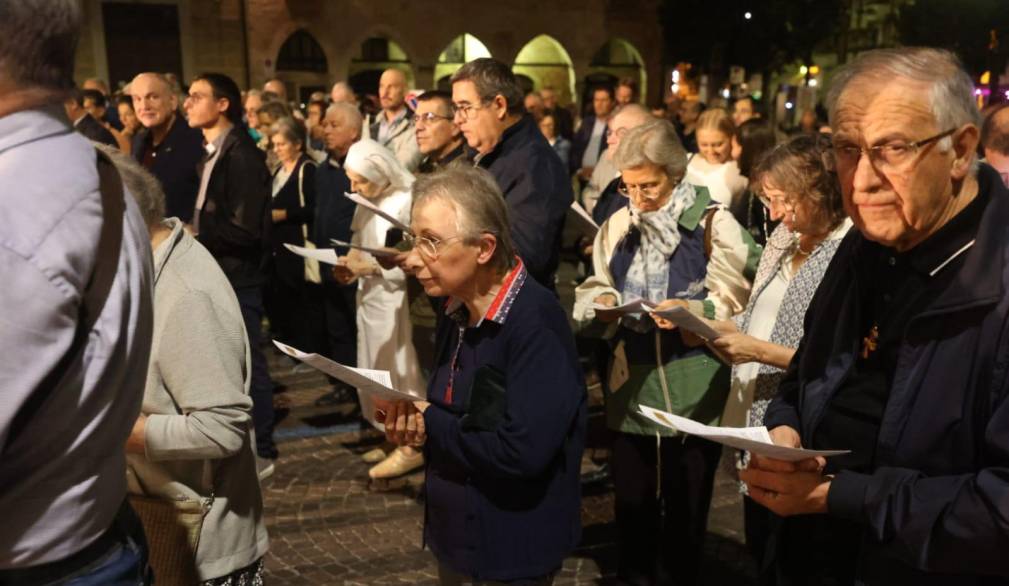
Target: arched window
[
  {"x": 615, "y": 60},
  {"x": 545, "y": 61},
  {"x": 460, "y": 50},
  {"x": 375, "y": 55},
  {"x": 301, "y": 52}
]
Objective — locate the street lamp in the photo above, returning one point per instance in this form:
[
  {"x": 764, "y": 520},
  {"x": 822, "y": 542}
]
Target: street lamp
[{"x": 747, "y": 15}]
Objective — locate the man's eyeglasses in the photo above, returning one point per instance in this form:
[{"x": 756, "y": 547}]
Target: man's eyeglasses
[
  {"x": 885, "y": 157},
  {"x": 429, "y": 247},
  {"x": 645, "y": 190},
  {"x": 465, "y": 110},
  {"x": 428, "y": 118}
]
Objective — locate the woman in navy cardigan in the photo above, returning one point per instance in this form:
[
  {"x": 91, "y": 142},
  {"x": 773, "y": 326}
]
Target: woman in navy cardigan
[
  {"x": 292, "y": 210},
  {"x": 504, "y": 427}
]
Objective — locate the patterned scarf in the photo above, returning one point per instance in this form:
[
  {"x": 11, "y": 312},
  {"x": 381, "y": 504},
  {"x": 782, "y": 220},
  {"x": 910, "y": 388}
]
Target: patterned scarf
[{"x": 648, "y": 276}]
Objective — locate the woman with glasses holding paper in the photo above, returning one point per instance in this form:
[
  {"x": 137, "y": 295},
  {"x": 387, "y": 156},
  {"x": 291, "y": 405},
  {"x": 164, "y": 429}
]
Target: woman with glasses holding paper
[
  {"x": 674, "y": 247},
  {"x": 797, "y": 183},
  {"x": 504, "y": 430},
  {"x": 384, "y": 332}
]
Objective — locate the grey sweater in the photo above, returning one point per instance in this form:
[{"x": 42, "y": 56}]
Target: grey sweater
[{"x": 198, "y": 434}]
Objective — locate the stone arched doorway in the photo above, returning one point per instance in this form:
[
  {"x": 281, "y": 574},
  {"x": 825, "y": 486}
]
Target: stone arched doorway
[
  {"x": 301, "y": 62},
  {"x": 615, "y": 60},
  {"x": 460, "y": 50},
  {"x": 375, "y": 55},
  {"x": 545, "y": 61}
]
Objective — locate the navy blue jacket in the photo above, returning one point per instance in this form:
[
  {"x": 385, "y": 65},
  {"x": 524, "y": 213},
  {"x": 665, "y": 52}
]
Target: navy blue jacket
[
  {"x": 538, "y": 192},
  {"x": 175, "y": 162},
  {"x": 935, "y": 510},
  {"x": 333, "y": 211},
  {"x": 503, "y": 459}
]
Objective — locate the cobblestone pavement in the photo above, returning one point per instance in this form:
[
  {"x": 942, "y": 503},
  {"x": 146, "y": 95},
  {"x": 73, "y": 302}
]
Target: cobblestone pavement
[{"x": 328, "y": 525}]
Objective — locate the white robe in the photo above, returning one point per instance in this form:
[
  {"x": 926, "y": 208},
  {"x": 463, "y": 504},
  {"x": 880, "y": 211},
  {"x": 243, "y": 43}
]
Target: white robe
[{"x": 383, "y": 315}]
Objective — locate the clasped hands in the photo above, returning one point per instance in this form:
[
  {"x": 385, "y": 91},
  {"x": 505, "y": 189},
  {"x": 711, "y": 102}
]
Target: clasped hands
[
  {"x": 787, "y": 488},
  {"x": 404, "y": 421}
]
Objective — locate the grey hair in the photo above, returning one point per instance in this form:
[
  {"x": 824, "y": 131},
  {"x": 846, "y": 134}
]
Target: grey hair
[
  {"x": 145, "y": 188},
  {"x": 493, "y": 78},
  {"x": 952, "y": 90},
  {"x": 291, "y": 129},
  {"x": 635, "y": 110},
  {"x": 38, "y": 39},
  {"x": 653, "y": 143},
  {"x": 350, "y": 114},
  {"x": 478, "y": 203}
]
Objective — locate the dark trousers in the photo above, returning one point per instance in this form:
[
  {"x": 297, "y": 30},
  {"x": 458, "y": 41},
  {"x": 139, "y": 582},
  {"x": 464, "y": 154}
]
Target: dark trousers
[
  {"x": 340, "y": 309},
  {"x": 661, "y": 538},
  {"x": 250, "y": 301},
  {"x": 758, "y": 525},
  {"x": 282, "y": 301}
]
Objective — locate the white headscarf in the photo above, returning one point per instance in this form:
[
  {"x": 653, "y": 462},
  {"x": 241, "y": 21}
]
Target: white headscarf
[{"x": 377, "y": 164}]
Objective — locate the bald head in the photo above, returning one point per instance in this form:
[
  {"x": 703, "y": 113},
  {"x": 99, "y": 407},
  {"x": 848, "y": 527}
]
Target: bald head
[
  {"x": 342, "y": 93},
  {"x": 392, "y": 91},
  {"x": 96, "y": 84},
  {"x": 154, "y": 101},
  {"x": 277, "y": 87}
]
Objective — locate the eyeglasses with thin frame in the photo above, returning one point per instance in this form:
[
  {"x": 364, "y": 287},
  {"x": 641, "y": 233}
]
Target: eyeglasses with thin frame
[
  {"x": 646, "y": 190},
  {"x": 785, "y": 202},
  {"x": 891, "y": 156},
  {"x": 466, "y": 110},
  {"x": 429, "y": 247},
  {"x": 428, "y": 118}
]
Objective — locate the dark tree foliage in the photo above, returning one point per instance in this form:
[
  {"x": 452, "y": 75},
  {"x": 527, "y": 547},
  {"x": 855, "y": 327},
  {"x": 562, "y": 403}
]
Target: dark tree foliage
[
  {"x": 965, "y": 27},
  {"x": 714, "y": 34}
]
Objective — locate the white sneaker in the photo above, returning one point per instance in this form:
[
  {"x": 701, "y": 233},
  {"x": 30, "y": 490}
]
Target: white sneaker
[{"x": 264, "y": 468}]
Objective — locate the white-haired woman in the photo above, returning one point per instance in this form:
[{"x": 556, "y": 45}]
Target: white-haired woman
[
  {"x": 673, "y": 246},
  {"x": 505, "y": 427},
  {"x": 384, "y": 332},
  {"x": 193, "y": 439}
]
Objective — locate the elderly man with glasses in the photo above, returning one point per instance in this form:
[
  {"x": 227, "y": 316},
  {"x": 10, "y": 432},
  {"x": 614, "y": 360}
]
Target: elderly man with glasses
[
  {"x": 490, "y": 111},
  {"x": 904, "y": 360}
]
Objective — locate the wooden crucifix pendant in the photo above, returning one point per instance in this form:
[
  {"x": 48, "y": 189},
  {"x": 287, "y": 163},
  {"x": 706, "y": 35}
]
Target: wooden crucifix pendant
[{"x": 870, "y": 342}]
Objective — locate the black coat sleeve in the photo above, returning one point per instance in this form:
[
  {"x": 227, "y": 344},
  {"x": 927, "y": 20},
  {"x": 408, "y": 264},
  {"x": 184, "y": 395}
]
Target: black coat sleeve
[{"x": 245, "y": 198}]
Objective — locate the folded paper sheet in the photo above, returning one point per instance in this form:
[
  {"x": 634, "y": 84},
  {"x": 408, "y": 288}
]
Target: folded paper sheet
[
  {"x": 755, "y": 440},
  {"x": 374, "y": 382},
  {"x": 326, "y": 255}
]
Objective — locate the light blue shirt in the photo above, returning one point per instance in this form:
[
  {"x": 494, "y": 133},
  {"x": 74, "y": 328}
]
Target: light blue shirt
[{"x": 62, "y": 465}]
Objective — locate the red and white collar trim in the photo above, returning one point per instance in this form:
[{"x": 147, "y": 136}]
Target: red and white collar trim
[{"x": 499, "y": 308}]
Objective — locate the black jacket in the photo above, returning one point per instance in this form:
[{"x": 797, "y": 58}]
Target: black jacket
[
  {"x": 333, "y": 212},
  {"x": 235, "y": 217},
  {"x": 95, "y": 132},
  {"x": 287, "y": 265},
  {"x": 935, "y": 508},
  {"x": 174, "y": 164},
  {"x": 537, "y": 190},
  {"x": 581, "y": 142}
]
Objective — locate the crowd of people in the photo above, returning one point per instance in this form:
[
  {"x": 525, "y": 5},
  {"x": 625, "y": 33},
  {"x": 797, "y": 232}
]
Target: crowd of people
[{"x": 855, "y": 275}]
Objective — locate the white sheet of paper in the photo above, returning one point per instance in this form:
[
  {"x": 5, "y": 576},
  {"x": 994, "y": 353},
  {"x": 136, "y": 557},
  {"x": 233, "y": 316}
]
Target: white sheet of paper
[
  {"x": 636, "y": 306},
  {"x": 326, "y": 255},
  {"x": 363, "y": 202},
  {"x": 374, "y": 382},
  {"x": 752, "y": 439},
  {"x": 682, "y": 317},
  {"x": 585, "y": 222},
  {"x": 371, "y": 251}
]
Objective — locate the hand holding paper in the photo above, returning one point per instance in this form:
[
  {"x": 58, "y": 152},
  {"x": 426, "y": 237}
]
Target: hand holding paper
[
  {"x": 584, "y": 220},
  {"x": 755, "y": 440},
  {"x": 681, "y": 317},
  {"x": 376, "y": 252},
  {"x": 631, "y": 307}
]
